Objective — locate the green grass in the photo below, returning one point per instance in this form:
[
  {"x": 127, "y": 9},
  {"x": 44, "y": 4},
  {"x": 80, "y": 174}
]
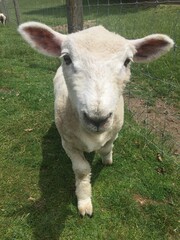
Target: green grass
[{"x": 37, "y": 199}]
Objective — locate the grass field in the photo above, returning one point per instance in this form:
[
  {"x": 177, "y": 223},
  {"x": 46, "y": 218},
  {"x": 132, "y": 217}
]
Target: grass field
[{"x": 137, "y": 198}]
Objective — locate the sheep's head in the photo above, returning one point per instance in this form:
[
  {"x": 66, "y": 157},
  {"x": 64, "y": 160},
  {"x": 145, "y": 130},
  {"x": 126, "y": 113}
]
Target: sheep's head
[{"x": 96, "y": 66}]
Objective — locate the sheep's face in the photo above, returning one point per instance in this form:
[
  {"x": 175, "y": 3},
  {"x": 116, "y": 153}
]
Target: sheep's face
[
  {"x": 95, "y": 66},
  {"x": 95, "y": 82}
]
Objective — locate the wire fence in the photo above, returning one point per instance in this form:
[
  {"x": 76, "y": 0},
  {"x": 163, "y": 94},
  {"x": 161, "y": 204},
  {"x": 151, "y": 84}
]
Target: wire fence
[{"x": 152, "y": 97}]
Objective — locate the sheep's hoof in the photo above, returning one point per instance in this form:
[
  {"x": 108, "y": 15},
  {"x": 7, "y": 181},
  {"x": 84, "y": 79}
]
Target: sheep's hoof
[
  {"x": 90, "y": 216},
  {"x": 107, "y": 161},
  {"x": 85, "y": 207}
]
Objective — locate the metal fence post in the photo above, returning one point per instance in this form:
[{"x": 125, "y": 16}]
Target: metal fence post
[
  {"x": 74, "y": 15},
  {"x": 17, "y": 12}
]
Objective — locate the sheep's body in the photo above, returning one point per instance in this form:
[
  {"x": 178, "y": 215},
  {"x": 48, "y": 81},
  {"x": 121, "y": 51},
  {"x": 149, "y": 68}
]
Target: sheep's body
[
  {"x": 2, "y": 18},
  {"x": 89, "y": 107}
]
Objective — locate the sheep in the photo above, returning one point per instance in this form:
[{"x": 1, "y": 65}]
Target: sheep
[
  {"x": 88, "y": 88},
  {"x": 2, "y": 18}
]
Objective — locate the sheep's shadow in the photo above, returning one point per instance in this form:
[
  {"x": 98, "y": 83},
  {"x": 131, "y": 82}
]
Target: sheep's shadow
[
  {"x": 49, "y": 212},
  {"x": 57, "y": 185}
]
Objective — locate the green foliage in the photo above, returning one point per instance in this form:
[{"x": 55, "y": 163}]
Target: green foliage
[{"x": 37, "y": 199}]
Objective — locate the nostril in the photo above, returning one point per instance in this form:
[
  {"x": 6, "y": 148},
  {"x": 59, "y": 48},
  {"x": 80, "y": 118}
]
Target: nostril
[
  {"x": 96, "y": 121},
  {"x": 88, "y": 119},
  {"x": 109, "y": 115}
]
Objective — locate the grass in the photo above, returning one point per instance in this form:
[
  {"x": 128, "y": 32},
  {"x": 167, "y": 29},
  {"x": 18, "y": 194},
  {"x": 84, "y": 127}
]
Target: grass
[{"x": 37, "y": 199}]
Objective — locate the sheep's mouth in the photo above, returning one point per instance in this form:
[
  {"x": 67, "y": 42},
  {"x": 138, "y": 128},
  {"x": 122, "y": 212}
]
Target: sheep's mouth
[
  {"x": 94, "y": 129},
  {"x": 97, "y": 124}
]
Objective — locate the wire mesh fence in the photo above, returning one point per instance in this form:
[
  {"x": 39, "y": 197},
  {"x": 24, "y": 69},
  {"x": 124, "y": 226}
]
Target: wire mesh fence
[{"x": 152, "y": 97}]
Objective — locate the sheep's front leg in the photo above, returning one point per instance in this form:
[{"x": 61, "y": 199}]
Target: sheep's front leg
[
  {"x": 106, "y": 153},
  {"x": 82, "y": 171}
]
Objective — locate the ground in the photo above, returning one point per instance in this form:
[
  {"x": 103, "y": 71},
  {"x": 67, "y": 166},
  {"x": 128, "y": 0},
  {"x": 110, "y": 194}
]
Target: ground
[{"x": 161, "y": 118}]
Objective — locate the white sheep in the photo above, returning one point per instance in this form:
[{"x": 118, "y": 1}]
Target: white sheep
[
  {"x": 2, "y": 18},
  {"x": 89, "y": 106}
]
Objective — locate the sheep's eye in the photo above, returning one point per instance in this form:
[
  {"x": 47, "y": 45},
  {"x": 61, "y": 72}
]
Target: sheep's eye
[
  {"x": 127, "y": 62},
  {"x": 67, "y": 59}
]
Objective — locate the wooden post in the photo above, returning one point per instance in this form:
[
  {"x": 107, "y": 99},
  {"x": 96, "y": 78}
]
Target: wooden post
[
  {"x": 74, "y": 15},
  {"x": 17, "y": 12}
]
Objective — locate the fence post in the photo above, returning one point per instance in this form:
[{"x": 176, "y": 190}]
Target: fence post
[
  {"x": 74, "y": 15},
  {"x": 17, "y": 12}
]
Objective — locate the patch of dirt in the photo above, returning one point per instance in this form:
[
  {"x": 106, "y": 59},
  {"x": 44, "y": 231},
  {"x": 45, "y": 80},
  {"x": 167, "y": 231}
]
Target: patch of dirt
[
  {"x": 64, "y": 28},
  {"x": 162, "y": 119},
  {"x": 5, "y": 90},
  {"x": 142, "y": 201}
]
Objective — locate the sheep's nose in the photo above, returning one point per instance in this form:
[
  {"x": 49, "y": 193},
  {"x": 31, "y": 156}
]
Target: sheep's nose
[{"x": 96, "y": 121}]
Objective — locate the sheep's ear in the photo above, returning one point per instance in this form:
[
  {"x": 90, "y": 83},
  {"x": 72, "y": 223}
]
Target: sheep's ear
[
  {"x": 42, "y": 38},
  {"x": 151, "y": 47}
]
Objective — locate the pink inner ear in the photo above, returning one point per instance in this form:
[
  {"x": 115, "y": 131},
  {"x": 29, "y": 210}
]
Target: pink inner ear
[
  {"x": 150, "y": 47},
  {"x": 44, "y": 40}
]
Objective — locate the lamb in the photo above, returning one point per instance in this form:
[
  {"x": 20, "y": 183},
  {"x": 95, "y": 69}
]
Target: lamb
[
  {"x": 2, "y": 18},
  {"x": 88, "y": 87}
]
